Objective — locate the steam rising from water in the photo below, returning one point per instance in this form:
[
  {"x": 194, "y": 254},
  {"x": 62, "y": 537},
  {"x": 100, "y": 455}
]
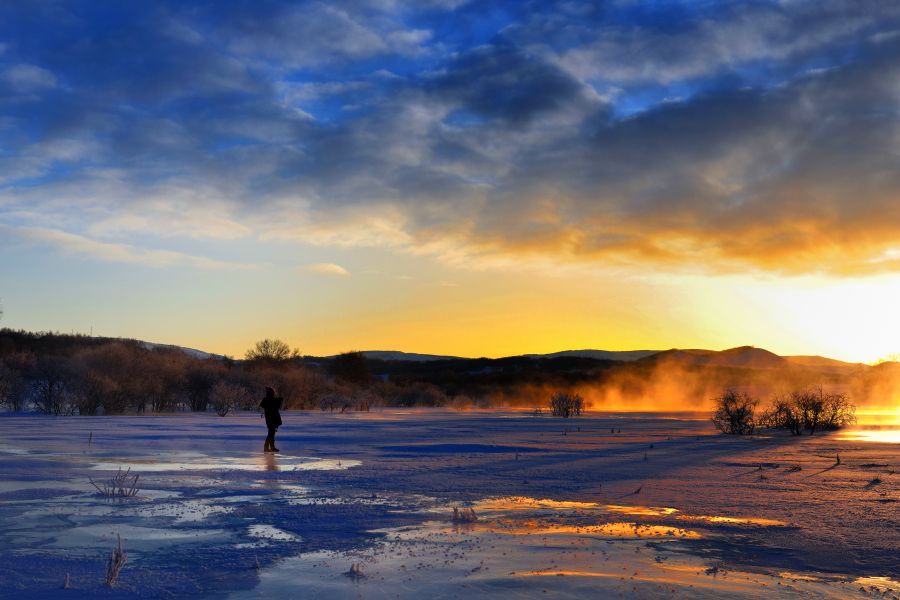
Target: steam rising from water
[{"x": 671, "y": 386}]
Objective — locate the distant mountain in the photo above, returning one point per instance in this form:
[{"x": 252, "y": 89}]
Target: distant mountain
[
  {"x": 820, "y": 362},
  {"x": 624, "y": 355},
  {"x": 743, "y": 356},
  {"x": 392, "y": 355},
  {"x": 189, "y": 351}
]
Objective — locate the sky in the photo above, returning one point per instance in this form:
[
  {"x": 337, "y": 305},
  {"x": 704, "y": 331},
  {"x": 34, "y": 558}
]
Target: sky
[{"x": 470, "y": 178}]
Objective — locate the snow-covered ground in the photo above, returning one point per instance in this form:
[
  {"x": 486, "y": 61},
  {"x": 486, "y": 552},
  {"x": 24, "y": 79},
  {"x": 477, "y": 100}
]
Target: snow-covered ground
[{"x": 361, "y": 505}]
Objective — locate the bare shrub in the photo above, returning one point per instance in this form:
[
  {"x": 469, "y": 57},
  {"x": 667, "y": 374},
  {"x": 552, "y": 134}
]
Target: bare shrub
[
  {"x": 810, "y": 410},
  {"x": 122, "y": 485},
  {"x": 566, "y": 404},
  {"x": 735, "y": 413},
  {"x": 420, "y": 394},
  {"x": 783, "y": 415},
  {"x": 117, "y": 558},
  {"x": 333, "y": 402}
]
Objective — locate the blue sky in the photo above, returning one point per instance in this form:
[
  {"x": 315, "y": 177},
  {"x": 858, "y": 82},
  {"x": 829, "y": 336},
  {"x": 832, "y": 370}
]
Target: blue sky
[{"x": 235, "y": 146}]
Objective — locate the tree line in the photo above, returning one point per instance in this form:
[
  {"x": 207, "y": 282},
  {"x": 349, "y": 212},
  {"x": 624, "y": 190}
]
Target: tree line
[{"x": 73, "y": 374}]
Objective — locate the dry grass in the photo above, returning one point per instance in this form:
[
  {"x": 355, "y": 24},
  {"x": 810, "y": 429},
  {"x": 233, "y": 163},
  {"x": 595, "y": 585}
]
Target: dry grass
[
  {"x": 117, "y": 558},
  {"x": 123, "y": 485},
  {"x": 356, "y": 571},
  {"x": 464, "y": 515}
]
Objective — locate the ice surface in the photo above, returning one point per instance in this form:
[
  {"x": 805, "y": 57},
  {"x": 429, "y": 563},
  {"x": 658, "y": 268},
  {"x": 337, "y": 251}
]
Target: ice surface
[{"x": 564, "y": 508}]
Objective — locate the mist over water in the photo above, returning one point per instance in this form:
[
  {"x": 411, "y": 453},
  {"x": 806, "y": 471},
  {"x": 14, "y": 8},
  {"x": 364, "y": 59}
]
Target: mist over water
[{"x": 672, "y": 385}]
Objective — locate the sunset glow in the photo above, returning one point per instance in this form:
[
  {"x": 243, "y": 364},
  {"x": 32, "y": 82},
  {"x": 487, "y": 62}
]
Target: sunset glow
[{"x": 453, "y": 178}]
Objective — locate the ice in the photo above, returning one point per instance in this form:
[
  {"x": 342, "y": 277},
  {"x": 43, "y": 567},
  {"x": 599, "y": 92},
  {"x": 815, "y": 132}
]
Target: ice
[{"x": 562, "y": 506}]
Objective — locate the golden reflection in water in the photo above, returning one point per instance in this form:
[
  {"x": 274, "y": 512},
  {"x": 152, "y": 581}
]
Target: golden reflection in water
[
  {"x": 881, "y": 436},
  {"x": 613, "y": 530},
  {"x": 526, "y": 503},
  {"x": 558, "y": 573},
  {"x": 511, "y": 503},
  {"x": 735, "y": 520},
  {"x": 641, "y": 511},
  {"x": 881, "y": 583}
]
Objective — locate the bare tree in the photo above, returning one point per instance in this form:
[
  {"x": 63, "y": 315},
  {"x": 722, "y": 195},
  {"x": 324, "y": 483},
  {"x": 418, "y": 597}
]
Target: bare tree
[
  {"x": 735, "y": 413},
  {"x": 51, "y": 385},
  {"x": 271, "y": 351},
  {"x": 839, "y": 411}
]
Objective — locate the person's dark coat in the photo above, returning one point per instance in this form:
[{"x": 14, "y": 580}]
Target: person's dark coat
[{"x": 271, "y": 407}]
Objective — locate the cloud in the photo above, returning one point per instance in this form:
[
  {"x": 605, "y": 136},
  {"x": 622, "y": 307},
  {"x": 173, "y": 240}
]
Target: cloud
[
  {"x": 29, "y": 78},
  {"x": 328, "y": 269},
  {"x": 545, "y": 135},
  {"x": 119, "y": 253},
  {"x": 720, "y": 38}
]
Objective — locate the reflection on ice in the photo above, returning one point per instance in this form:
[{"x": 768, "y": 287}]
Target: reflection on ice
[
  {"x": 203, "y": 462},
  {"x": 733, "y": 520},
  {"x": 880, "y": 585},
  {"x": 611, "y": 530},
  {"x": 514, "y": 504},
  {"x": 519, "y": 503}
]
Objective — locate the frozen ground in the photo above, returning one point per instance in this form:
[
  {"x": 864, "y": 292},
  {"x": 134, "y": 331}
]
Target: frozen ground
[{"x": 607, "y": 505}]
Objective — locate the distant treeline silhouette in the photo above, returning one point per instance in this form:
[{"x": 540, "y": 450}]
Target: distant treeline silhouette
[{"x": 76, "y": 374}]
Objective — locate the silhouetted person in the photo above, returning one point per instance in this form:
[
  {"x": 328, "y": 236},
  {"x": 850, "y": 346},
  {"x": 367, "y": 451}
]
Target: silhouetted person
[{"x": 271, "y": 405}]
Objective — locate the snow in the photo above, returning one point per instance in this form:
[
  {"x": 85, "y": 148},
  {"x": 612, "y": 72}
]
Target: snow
[{"x": 565, "y": 508}]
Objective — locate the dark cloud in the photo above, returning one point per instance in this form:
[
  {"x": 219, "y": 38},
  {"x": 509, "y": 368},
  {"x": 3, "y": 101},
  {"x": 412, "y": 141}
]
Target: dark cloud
[{"x": 721, "y": 138}]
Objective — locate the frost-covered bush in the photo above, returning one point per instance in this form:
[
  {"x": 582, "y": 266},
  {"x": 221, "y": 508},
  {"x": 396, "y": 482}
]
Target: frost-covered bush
[
  {"x": 566, "y": 404},
  {"x": 735, "y": 413}
]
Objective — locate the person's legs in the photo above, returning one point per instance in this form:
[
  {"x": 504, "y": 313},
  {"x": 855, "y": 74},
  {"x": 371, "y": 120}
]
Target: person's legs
[
  {"x": 272, "y": 435},
  {"x": 270, "y": 441}
]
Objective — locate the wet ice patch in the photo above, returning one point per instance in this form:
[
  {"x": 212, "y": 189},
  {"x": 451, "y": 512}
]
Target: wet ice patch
[
  {"x": 268, "y": 532},
  {"x": 434, "y": 561},
  {"x": 203, "y": 462},
  {"x": 133, "y": 536}
]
